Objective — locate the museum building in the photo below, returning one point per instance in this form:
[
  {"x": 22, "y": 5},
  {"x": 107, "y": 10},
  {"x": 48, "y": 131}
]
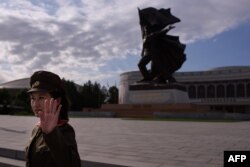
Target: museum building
[{"x": 222, "y": 89}]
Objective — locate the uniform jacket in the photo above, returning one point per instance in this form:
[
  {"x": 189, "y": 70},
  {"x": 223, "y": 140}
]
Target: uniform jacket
[{"x": 56, "y": 149}]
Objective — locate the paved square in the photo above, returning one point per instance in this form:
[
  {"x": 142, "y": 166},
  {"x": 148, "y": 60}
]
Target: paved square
[{"x": 139, "y": 143}]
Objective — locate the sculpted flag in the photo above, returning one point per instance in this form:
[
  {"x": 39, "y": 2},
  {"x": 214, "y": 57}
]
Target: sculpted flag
[
  {"x": 162, "y": 17},
  {"x": 169, "y": 55}
]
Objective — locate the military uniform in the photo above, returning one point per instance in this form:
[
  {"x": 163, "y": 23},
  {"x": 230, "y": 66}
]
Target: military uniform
[{"x": 56, "y": 149}]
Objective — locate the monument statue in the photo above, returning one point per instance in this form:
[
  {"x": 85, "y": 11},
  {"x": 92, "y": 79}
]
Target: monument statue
[{"x": 165, "y": 52}]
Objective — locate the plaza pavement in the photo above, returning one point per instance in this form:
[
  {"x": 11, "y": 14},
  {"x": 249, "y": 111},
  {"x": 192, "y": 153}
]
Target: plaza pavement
[{"x": 135, "y": 143}]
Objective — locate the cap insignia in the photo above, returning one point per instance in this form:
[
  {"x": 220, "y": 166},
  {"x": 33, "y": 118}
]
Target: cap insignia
[{"x": 35, "y": 84}]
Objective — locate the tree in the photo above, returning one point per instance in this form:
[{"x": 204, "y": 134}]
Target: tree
[
  {"x": 5, "y": 97},
  {"x": 73, "y": 95},
  {"x": 5, "y": 100},
  {"x": 22, "y": 99},
  {"x": 89, "y": 95},
  {"x": 112, "y": 95},
  {"x": 93, "y": 95}
]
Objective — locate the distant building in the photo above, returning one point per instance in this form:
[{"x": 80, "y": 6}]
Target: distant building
[
  {"x": 14, "y": 86},
  {"x": 223, "y": 88},
  {"x": 20, "y": 84}
]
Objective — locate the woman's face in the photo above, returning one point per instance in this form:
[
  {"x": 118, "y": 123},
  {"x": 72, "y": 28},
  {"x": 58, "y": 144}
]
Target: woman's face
[{"x": 37, "y": 100}]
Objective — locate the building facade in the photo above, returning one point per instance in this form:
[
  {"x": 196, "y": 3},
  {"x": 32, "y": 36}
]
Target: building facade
[{"x": 224, "y": 88}]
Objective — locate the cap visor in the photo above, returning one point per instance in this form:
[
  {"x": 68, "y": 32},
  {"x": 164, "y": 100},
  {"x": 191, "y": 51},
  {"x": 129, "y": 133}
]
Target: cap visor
[{"x": 36, "y": 90}]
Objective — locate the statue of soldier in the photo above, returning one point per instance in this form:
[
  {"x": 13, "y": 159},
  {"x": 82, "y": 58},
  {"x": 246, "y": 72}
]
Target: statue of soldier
[{"x": 165, "y": 52}]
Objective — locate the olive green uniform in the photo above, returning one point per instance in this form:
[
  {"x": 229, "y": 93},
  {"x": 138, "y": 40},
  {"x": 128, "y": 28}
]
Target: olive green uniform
[{"x": 56, "y": 149}]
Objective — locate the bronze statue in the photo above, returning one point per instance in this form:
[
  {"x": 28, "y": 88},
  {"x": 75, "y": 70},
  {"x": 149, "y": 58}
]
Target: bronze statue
[{"x": 165, "y": 52}]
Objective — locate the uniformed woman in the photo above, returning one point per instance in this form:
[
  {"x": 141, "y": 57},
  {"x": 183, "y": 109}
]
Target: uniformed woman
[{"x": 52, "y": 143}]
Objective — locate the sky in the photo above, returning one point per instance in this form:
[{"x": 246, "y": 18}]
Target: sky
[{"x": 98, "y": 40}]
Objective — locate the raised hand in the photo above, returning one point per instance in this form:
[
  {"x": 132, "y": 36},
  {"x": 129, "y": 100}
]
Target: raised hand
[{"x": 49, "y": 117}]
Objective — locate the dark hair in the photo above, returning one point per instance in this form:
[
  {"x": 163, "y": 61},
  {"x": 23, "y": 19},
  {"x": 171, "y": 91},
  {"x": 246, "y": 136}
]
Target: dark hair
[{"x": 64, "y": 102}]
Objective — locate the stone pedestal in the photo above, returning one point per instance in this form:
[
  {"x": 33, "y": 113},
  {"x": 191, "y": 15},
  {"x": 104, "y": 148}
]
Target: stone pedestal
[
  {"x": 156, "y": 94},
  {"x": 145, "y": 93}
]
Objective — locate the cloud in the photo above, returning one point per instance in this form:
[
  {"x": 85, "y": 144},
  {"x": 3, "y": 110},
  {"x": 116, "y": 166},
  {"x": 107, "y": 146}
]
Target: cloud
[{"x": 78, "y": 39}]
